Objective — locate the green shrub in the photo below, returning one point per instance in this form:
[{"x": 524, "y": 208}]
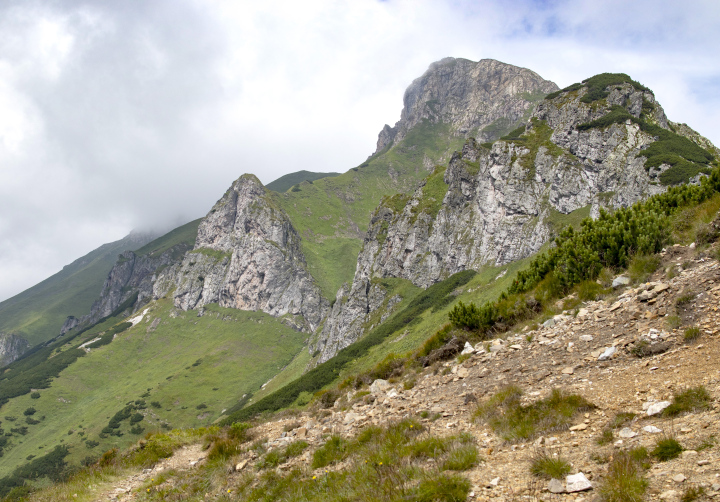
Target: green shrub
[
  {"x": 334, "y": 450},
  {"x": 624, "y": 481},
  {"x": 605, "y": 437},
  {"x": 295, "y": 448},
  {"x": 514, "y": 135},
  {"x": 516, "y": 422},
  {"x": 29, "y": 411},
  {"x": 693, "y": 399},
  {"x": 642, "y": 266},
  {"x": 443, "y": 488},
  {"x": 239, "y": 431},
  {"x": 272, "y": 459},
  {"x": 598, "y": 84},
  {"x": 35, "y": 395},
  {"x": 431, "y": 447},
  {"x": 641, "y": 456},
  {"x": 673, "y": 321},
  {"x": 621, "y": 418},
  {"x": 691, "y": 334},
  {"x": 667, "y": 449},
  {"x": 547, "y": 466},
  {"x": 461, "y": 458},
  {"x": 693, "y": 493}
]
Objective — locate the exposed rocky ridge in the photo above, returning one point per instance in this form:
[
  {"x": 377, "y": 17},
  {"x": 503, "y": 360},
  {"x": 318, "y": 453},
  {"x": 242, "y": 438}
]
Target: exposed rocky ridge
[
  {"x": 470, "y": 96},
  {"x": 501, "y": 204},
  {"x": 11, "y": 347},
  {"x": 247, "y": 256},
  {"x": 130, "y": 281}
]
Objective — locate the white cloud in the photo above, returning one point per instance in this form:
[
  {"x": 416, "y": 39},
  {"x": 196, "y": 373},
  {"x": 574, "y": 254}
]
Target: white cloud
[{"x": 115, "y": 115}]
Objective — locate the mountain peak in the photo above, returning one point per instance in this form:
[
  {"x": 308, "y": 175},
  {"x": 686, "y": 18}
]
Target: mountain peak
[{"x": 484, "y": 98}]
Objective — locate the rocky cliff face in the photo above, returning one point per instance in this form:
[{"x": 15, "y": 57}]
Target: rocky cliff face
[
  {"x": 500, "y": 203},
  {"x": 11, "y": 347},
  {"x": 247, "y": 256},
  {"x": 128, "y": 285},
  {"x": 484, "y": 99}
]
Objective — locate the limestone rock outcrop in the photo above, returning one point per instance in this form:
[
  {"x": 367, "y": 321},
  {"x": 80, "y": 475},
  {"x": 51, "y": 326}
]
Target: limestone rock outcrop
[
  {"x": 11, "y": 347},
  {"x": 128, "y": 285},
  {"x": 500, "y": 203},
  {"x": 482, "y": 99},
  {"x": 247, "y": 256}
]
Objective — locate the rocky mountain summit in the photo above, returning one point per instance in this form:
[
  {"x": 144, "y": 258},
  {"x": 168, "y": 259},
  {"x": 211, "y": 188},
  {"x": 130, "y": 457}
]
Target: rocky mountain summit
[
  {"x": 499, "y": 202},
  {"x": 484, "y": 99}
]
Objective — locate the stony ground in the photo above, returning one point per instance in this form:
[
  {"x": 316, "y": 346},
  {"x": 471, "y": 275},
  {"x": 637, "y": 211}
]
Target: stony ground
[{"x": 587, "y": 351}]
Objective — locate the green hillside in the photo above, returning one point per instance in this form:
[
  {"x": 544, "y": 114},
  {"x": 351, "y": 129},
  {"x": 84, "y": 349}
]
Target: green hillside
[
  {"x": 184, "y": 234},
  {"x": 332, "y": 214},
  {"x": 38, "y": 313},
  {"x": 284, "y": 183},
  {"x": 187, "y": 369}
]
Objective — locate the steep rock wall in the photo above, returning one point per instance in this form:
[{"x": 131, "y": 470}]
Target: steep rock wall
[
  {"x": 247, "y": 256},
  {"x": 11, "y": 347},
  {"x": 500, "y": 204}
]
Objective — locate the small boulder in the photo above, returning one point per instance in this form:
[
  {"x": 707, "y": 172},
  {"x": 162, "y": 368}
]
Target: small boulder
[
  {"x": 607, "y": 354},
  {"x": 627, "y": 433},
  {"x": 556, "y": 486},
  {"x": 656, "y": 408},
  {"x": 651, "y": 429},
  {"x": 379, "y": 386},
  {"x": 577, "y": 483},
  {"x": 620, "y": 280},
  {"x": 468, "y": 349}
]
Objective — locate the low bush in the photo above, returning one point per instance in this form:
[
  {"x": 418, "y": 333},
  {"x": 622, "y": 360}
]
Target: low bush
[
  {"x": 461, "y": 458},
  {"x": 642, "y": 266},
  {"x": 667, "y": 448},
  {"x": 546, "y": 466},
  {"x": 624, "y": 481},
  {"x": 605, "y": 437},
  {"x": 691, "y": 334},
  {"x": 516, "y": 422},
  {"x": 693, "y": 493},
  {"x": 334, "y": 450},
  {"x": 693, "y": 399},
  {"x": 240, "y": 432}
]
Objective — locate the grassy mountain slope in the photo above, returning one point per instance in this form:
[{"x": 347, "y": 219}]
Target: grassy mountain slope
[
  {"x": 284, "y": 183},
  {"x": 193, "y": 367},
  {"x": 332, "y": 214},
  {"x": 38, "y": 313},
  {"x": 184, "y": 234}
]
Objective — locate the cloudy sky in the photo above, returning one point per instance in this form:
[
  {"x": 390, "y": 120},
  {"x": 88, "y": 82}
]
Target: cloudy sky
[{"x": 119, "y": 114}]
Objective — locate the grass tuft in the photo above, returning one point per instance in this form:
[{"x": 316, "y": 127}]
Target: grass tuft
[
  {"x": 691, "y": 334},
  {"x": 624, "y": 481},
  {"x": 667, "y": 449},
  {"x": 693, "y": 493},
  {"x": 693, "y": 399},
  {"x": 516, "y": 422},
  {"x": 546, "y": 466}
]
